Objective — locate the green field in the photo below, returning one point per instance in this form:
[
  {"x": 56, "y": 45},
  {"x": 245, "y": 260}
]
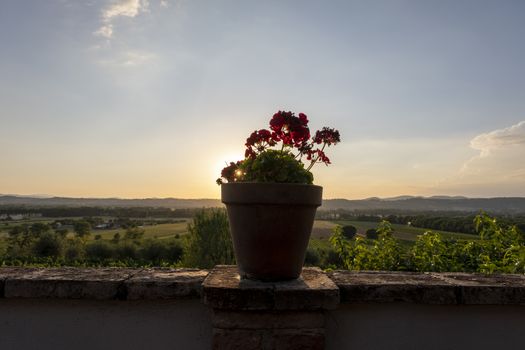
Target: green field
[
  {"x": 322, "y": 230},
  {"x": 5, "y": 226},
  {"x": 405, "y": 232},
  {"x": 161, "y": 231}
]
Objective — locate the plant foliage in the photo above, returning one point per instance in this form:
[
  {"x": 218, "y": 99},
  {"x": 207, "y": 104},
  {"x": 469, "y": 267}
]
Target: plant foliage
[{"x": 500, "y": 249}]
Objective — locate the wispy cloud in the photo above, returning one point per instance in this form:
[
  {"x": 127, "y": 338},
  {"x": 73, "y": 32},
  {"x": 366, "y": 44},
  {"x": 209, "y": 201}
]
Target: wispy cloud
[
  {"x": 119, "y": 8},
  {"x": 105, "y": 31},
  {"x": 498, "y": 139},
  {"x": 129, "y": 59},
  {"x": 498, "y": 168},
  {"x": 501, "y": 152}
]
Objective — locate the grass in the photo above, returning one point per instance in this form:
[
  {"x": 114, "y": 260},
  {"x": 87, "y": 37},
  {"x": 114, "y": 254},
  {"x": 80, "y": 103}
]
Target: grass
[
  {"x": 321, "y": 231},
  {"x": 5, "y": 226},
  {"x": 160, "y": 231},
  {"x": 405, "y": 232}
]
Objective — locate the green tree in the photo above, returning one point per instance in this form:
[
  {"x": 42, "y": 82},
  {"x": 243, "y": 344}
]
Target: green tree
[
  {"x": 134, "y": 233},
  {"x": 48, "y": 245},
  {"x": 209, "y": 241},
  {"x": 349, "y": 231},
  {"x": 100, "y": 251},
  {"x": 19, "y": 241},
  {"x": 386, "y": 250},
  {"x": 62, "y": 232},
  {"x": 116, "y": 238},
  {"x": 82, "y": 229},
  {"x": 74, "y": 250},
  {"x": 39, "y": 228},
  {"x": 371, "y": 233}
]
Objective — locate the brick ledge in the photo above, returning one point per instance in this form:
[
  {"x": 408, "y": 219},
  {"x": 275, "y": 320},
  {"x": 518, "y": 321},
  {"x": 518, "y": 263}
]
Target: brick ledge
[{"x": 165, "y": 283}]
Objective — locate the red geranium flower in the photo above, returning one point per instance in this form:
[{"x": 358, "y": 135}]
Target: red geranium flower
[
  {"x": 328, "y": 136},
  {"x": 293, "y": 133}
]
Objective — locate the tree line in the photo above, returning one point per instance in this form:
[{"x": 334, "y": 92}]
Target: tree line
[
  {"x": 207, "y": 244},
  {"x": 130, "y": 212},
  {"x": 442, "y": 221},
  {"x": 501, "y": 248}
]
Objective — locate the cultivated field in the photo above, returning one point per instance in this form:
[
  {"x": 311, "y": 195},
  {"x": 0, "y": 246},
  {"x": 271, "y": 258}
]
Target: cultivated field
[
  {"x": 323, "y": 229},
  {"x": 160, "y": 231}
]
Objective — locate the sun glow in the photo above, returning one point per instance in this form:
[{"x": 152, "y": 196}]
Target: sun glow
[{"x": 223, "y": 161}]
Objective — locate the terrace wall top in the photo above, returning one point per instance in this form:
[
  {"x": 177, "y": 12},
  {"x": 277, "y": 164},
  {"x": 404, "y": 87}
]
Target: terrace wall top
[{"x": 224, "y": 290}]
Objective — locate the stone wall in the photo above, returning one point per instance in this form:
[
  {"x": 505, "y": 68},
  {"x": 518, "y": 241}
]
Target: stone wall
[
  {"x": 114, "y": 308},
  {"x": 110, "y": 308},
  {"x": 396, "y": 310}
]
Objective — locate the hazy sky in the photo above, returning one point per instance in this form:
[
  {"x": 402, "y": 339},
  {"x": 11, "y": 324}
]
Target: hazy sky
[{"x": 149, "y": 98}]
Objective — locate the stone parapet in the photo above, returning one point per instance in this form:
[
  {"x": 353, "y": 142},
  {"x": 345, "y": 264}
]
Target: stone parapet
[
  {"x": 252, "y": 314},
  {"x": 314, "y": 291},
  {"x": 430, "y": 288},
  {"x": 100, "y": 283}
]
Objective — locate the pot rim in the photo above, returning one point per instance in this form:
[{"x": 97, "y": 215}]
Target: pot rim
[{"x": 271, "y": 193}]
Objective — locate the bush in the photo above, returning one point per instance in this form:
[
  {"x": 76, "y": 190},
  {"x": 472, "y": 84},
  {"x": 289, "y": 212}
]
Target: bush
[
  {"x": 48, "y": 245},
  {"x": 312, "y": 257},
  {"x": 116, "y": 238},
  {"x": 82, "y": 228},
  {"x": 134, "y": 233},
  {"x": 126, "y": 250},
  {"x": 501, "y": 248},
  {"x": 371, "y": 233},
  {"x": 99, "y": 250},
  {"x": 74, "y": 250},
  {"x": 209, "y": 241},
  {"x": 153, "y": 250},
  {"x": 349, "y": 231},
  {"x": 174, "y": 252}
]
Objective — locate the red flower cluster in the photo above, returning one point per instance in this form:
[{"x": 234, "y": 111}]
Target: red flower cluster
[
  {"x": 328, "y": 136},
  {"x": 293, "y": 132},
  {"x": 259, "y": 141},
  {"x": 317, "y": 155},
  {"x": 229, "y": 172}
]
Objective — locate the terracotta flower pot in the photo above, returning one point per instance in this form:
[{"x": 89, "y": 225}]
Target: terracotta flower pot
[{"x": 270, "y": 224}]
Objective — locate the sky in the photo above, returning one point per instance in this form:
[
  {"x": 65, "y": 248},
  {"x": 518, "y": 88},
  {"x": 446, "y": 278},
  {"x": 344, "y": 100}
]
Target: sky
[{"x": 150, "y": 98}]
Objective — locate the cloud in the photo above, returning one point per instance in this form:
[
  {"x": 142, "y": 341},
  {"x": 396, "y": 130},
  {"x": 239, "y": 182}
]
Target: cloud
[
  {"x": 497, "y": 170},
  {"x": 105, "y": 31},
  {"x": 129, "y": 59},
  {"x": 128, "y": 8},
  {"x": 499, "y": 139},
  {"x": 164, "y": 3},
  {"x": 501, "y": 152},
  {"x": 119, "y": 8}
]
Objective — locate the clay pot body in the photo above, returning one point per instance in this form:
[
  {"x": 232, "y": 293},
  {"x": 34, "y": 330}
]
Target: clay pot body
[{"x": 270, "y": 224}]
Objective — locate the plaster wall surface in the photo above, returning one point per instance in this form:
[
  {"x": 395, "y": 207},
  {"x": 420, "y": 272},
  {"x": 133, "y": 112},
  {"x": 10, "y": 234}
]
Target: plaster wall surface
[
  {"x": 42, "y": 324},
  {"x": 430, "y": 327}
]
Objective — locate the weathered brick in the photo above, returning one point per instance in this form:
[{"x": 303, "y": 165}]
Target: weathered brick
[
  {"x": 298, "y": 339},
  {"x": 165, "y": 284},
  {"x": 229, "y": 339},
  {"x": 223, "y": 289},
  {"x": 68, "y": 283},
  {"x": 383, "y": 287},
  {"x": 478, "y": 289},
  {"x": 268, "y": 320}
]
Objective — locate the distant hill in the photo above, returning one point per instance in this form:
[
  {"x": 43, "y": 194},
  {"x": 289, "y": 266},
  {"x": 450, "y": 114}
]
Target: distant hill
[
  {"x": 175, "y": 203},
  {"x": 509, "y": 205}
]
